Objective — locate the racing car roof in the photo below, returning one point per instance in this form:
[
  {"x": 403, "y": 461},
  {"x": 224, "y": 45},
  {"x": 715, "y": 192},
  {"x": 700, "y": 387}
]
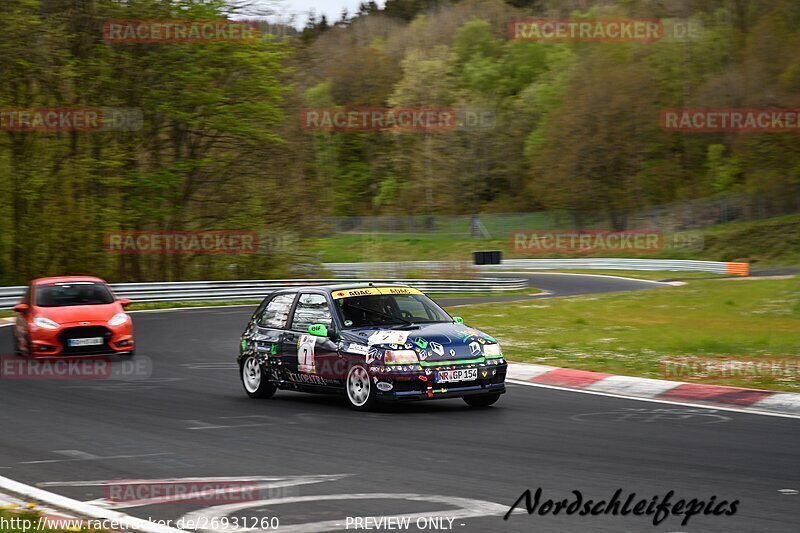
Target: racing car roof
[{"x": 344, "y": 287}]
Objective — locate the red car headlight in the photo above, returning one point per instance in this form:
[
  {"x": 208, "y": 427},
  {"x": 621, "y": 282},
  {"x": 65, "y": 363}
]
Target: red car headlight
[
  {"x": 45, "y": 323},
  {"x": 118, "y": 319}
]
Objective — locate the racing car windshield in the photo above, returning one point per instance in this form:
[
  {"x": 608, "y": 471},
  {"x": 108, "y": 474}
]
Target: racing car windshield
[
  {"x": 389, "y": 309},
  {"x": 67, "y": 294}
]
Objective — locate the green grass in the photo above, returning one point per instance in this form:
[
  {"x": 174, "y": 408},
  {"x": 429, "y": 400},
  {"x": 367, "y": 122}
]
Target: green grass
[
  {"x": 769, "y": 242},
  {"x": 26, "y": 521},
  {"x": 628, "y": 333},
  {"x": 774, "y": 241}
]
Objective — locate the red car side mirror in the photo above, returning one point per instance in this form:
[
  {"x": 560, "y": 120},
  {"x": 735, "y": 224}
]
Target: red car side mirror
[
  {"x": 22, "y": 308},
  {"x": 125, "y": 302}
]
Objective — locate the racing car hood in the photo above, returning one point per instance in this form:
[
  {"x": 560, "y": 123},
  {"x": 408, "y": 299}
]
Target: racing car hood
[
  {"x": 79, "y": 313},
  {"x": 439, "y": 342}
]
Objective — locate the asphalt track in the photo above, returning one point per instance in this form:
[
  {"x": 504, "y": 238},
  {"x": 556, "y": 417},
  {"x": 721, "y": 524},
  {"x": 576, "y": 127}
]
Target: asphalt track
[{"x": 190, "y": 418}]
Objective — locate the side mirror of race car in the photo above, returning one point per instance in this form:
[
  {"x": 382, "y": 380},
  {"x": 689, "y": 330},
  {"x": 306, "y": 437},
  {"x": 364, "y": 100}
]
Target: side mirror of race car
[
  {"x": 318, "y": 330},
  {"x": 458, "y": 320},
  {"x": 21, "y": 308}
]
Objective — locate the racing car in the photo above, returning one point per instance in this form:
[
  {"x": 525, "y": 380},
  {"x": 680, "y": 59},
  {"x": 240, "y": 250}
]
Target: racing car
[
  {"x": 368, "y": 343},
  {"x": 72, "y": 316}
]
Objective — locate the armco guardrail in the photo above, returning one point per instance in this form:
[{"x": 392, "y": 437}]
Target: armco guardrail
[
  {"x": 256, "y": 289},
  {"x": 356, "y": 269},
  {"x": 719, "y": 267}
]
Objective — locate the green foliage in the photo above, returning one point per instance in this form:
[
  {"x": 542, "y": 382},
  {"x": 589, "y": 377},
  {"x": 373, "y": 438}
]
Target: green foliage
[
  {"x": 631, "y": 333},
  {"x": 210, "y": 110},
  {"x": 576, "y": 125}
]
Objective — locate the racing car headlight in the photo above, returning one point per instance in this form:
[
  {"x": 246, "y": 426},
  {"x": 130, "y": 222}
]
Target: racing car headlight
[
  {"x": 46, "y": 323},
  {"x": 492, "y": 350},
  {"x": 401, "y": 357},
  {"x": 118, "y": 319}
]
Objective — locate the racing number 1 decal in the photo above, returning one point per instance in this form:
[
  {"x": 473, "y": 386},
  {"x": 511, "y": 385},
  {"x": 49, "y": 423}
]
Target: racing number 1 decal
[{"x": 305, "y": 354}]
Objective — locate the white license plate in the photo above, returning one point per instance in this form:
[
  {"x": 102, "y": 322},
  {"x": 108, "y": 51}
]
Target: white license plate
[
  {"x": 464, "y": 374},
  {"x": 90, "y": 341}
]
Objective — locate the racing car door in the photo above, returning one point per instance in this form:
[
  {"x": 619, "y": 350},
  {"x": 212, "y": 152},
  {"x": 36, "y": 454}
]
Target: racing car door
[
  {"x": 271, "y": 323},
  {"x": 316, "y": 358}
]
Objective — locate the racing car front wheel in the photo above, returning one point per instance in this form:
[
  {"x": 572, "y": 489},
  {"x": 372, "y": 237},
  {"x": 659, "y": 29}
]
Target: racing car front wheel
[
  {"x": 255, "y": 381},
  {"x": 484, "y": 400},
  {"x": 360, "y": 393}
]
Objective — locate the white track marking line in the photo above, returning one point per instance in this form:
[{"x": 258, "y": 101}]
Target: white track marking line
[
  {"x": 93, "y": 458},
  {"x": 465, "y": 508},
  {"x": 656, "y": 400},
  {"x": 77, "y": 454},
  {"x": 531, "y": 272},
  {"x": 82, "y": 508},
  {"x": 262, "y": 483}
]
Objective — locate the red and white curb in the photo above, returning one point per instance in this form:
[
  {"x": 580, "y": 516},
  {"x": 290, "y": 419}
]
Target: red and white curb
[{"x": 755, "y": 401}]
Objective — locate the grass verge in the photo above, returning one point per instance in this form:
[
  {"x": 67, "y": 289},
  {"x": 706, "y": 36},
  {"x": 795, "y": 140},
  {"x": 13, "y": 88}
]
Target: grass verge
[
  {"x": 630, "y": 333},
  {"x": 27, "y": 521},
  {"x": 769, "y": 242}
]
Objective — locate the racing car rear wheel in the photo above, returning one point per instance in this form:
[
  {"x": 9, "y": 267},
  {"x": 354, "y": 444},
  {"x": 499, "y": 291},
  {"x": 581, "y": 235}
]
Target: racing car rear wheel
[
  {"x": 255, "y": 382},
  {"x": 360, "y": 393},
  {"x": 484, "y": 400}
]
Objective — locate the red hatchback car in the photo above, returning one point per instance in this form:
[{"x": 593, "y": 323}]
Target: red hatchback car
[{"x": 72, "y": 315}]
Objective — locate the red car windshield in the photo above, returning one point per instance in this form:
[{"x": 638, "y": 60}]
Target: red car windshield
[{"x": 68, "y": 294}]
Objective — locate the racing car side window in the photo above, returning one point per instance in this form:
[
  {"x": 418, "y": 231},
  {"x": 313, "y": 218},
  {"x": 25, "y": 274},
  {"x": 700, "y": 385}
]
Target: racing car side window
[
  {"x": 276, "y": 313},
  {"x": 311, "y": 309}
]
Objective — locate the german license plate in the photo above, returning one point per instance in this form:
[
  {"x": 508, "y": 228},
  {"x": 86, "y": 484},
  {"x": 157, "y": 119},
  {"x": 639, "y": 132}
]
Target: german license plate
[
  {"x": 449, "y": 376},
  {"x": 89, "y": 341}
]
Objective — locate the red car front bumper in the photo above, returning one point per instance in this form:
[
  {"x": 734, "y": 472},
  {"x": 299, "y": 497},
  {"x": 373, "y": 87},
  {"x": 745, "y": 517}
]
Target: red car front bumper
[{"x": 83, "y": 338}]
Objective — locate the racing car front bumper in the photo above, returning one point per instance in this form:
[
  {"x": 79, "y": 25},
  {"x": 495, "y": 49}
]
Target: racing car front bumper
[{"x": 422, "y": 383}]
